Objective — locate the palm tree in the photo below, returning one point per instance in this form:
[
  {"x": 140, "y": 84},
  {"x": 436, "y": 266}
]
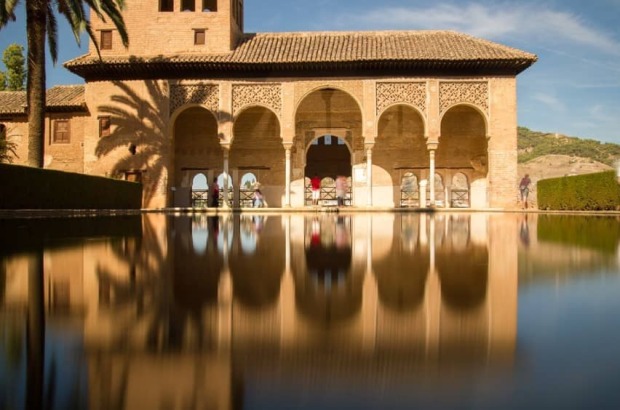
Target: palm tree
[{"x": 41, "y": 23}]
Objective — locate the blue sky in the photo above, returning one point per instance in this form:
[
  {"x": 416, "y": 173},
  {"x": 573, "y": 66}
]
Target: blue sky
[{"x": 574, "y": 88}]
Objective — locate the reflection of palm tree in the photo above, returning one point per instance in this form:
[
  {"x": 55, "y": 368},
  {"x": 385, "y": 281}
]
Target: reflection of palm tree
[
  {"x": 164, "y": 301},
  {"x": 139, "y": 121}
]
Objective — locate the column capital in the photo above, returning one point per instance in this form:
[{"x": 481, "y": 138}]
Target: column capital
[
  {"x": 287, "y": 145},
  {"x": 369, "y": 145},
  {"x": 432, "y": 145}
]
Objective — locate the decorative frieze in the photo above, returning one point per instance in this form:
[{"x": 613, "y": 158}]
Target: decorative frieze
[
  {"x": 267, "y": 95},
  {"x": 206, "y": 95},
  {"x": 457, "y": 92},
  {"x": 412, "y": 93}
]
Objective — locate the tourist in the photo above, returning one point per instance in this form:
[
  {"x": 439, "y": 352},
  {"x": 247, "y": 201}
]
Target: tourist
[
  {"x": 315, "y": 183},
  {"x": 341, "y": 189},
  {"x": 259, "y": 199},
  {"x": 524, "y": 189},
  {"x": 214, "y": 194}
]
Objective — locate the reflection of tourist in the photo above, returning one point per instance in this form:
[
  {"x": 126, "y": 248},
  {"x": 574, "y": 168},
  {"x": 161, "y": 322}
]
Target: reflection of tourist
[
  {"x": 259, "y": 221},
  {"x": 315, "y": 238},
  {"x": 341, "y": 189},
  {"x": 524, "y": 189},
  {"x": 524, "y": 232},
  {"x": 214, "y": 194},
  {"x": 342, "y": 236},
  {"x": 315, "y": 183}
]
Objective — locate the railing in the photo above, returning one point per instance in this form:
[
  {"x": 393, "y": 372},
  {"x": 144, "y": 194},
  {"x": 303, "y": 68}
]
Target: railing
[
  {"x": 460, "y": 198},
  {"x": 246, "y": 198},
  {"x": 200, "y": 198},
  {"x": 409, "y": 198}
]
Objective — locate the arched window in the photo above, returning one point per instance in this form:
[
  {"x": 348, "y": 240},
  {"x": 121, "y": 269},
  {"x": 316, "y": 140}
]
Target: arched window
[
  {"x": 199, "y": 191},
  {"x": 246, "y": 190},
  {"x": 460, "y": 191},
  {"x": 409, "y": 191}
]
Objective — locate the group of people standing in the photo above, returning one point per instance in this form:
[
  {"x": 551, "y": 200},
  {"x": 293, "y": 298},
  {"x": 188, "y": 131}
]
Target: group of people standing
[
  {"x": 258, "y": 199},
  {"x": 341, "y": 189}
]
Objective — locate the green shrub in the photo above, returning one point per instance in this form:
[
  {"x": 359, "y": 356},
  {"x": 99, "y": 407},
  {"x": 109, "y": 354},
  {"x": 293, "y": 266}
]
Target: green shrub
[
  {"x": 34, "y": 188},
  {"x": 590, "y": 192}
]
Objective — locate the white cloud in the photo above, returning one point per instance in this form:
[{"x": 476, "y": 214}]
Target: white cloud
[
  {"x": 550, "y": 101},
  {"x": 497, "y": 21}
]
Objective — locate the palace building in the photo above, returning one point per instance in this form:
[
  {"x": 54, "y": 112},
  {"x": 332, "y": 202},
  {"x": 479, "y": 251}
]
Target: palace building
[{"x": 410, "y": 118}]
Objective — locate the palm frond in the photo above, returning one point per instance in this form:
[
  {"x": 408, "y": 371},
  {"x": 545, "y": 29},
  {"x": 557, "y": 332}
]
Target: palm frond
[
  {"x": 7, "y": 11},
  {"x": 52, "y": 33}
]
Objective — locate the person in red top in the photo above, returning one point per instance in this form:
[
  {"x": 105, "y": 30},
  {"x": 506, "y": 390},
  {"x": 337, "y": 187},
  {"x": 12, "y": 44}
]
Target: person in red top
[{"x": 315, "y": 182}]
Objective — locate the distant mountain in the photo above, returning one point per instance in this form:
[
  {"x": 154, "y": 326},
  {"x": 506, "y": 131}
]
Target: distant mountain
[{"x": 534, "y": 144}]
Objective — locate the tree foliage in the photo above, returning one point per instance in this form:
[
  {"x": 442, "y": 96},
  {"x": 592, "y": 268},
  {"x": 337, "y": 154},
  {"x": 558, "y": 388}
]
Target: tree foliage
[
  {"x": 7, "y": 148},
  {"x": 533, "y": 144},
  {"x": 15, "y": 74}
]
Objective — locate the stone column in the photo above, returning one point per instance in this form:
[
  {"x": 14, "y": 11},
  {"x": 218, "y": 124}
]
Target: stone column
[
  {"x": 432, "y": 147},
  {"x": 236, "y": 193},
  {"x": 287, "y": 182},
  {"x": 369, "y": 148},
  {"x": 226, "y": 152}
]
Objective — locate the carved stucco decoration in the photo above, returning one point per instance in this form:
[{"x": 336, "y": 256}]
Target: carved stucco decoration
[
  {"x": 412, "y": 93},
  {"x": 267, "y": 95},
  {"x": 206, "y": 95},
  {"x": 475, "y": 93}
]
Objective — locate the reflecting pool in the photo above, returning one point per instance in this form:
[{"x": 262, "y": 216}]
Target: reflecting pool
[{"x": 310, "y": 311}]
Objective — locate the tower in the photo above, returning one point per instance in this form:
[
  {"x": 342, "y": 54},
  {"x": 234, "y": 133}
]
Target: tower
[{"x": 173, "y": 27}]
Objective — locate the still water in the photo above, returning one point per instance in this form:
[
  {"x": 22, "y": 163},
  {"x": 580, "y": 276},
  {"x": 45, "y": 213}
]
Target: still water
[{"x": 310, "y": 311}]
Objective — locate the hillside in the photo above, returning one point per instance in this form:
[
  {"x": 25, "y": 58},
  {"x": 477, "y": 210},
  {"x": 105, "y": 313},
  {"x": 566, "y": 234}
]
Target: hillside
[
  {"x": 544, "y": 155},
  {"x": 534, "y": 144}
]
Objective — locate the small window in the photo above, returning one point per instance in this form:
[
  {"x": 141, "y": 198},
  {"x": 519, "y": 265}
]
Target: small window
[
  {"x": 104, "y": 126},
  {"x": 199, "y": 37},
  {"x": 133, "y": 176},
  {"x": 106, "y": 40},
  {"x": 61, "y": 133},
  {"x": 328, "y": 140},
  {"x": 2, "y": 132},
  {"x": 166, "y": 5},
  {"x": 209, "y": 5},
  {"x": 188, "y": 5}
]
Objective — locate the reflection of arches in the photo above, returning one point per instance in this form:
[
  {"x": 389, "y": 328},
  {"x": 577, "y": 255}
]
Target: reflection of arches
[
  {"x": 459, "y": 196},
  {"x": 328, "y": 289},
  {"x": 401, "y": 278},
  {"x": 464, "y": 276},
  {"x": 409, "y": 190},
  {"x": 199, "y": 191},
  {"x": 196, "y": 274},
  {"x": 257, "y": 274},
  {"x": 401, "y": 273}
]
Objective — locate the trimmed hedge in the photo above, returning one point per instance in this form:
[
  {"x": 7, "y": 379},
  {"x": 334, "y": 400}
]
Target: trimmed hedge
[
  {"x": 590, "y": 192},
  {"x": 34, "y": 188}
]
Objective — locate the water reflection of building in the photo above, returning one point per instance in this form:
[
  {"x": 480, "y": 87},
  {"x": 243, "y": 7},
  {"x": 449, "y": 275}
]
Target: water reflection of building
[{"x": 199, "y": 307}]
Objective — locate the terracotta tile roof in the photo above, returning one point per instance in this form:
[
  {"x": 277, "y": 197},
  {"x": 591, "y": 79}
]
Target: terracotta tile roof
[
  {"x": 12, "y": 102},
  {"x": 59, "y": 98},
  {"x": 418, "y": 49},
  {"x": 66, "y": 97}
]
